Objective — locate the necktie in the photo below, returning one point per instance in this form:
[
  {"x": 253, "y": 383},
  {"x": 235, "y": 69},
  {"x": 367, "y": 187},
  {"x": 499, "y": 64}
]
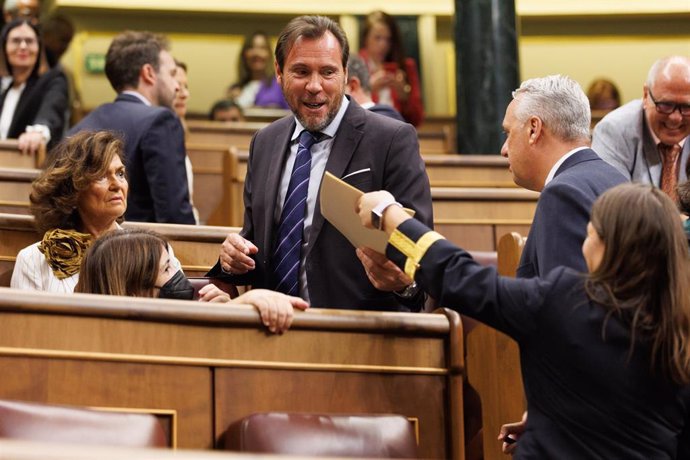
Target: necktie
[
  {"x": 290, "y": 229},
  {"x": 669, "y": 169}
]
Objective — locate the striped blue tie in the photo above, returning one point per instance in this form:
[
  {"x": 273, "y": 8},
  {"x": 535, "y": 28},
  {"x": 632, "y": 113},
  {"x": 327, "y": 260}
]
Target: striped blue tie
[{"x": 289, "y": 243}]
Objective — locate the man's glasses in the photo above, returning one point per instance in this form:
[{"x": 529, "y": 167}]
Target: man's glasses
[{"x": 667, "y": 108}]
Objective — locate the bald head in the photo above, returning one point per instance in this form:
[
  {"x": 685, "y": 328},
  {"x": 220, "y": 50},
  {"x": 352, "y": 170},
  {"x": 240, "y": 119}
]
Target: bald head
[
  {"x": 668, "y": 85},
  {"x": 669, "y": 68}
]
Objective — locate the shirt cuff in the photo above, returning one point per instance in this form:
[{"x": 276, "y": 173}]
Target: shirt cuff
[{"x": 43, "y": 129}]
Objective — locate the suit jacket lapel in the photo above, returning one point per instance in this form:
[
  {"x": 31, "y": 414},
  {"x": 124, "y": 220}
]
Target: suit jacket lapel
[
  {"x": 276, "y": 159},
  {"x": 344, "y": 146},
  {"x": 21, "y": 103}
]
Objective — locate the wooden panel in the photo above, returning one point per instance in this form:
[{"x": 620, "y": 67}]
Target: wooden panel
[
  {"x": 12, "y": 157},
  {"x": 493, "y": 364},
  {"x": 230, "y": 134},
  {"x": 468, "y": 236},
  {"x": 196, "y": 247},
  {"x": 139, "y": 387},
  {"x": 210, "y": 191},
  {"x": 330, "y": 392},
  {"x": 123, "y": 352}
]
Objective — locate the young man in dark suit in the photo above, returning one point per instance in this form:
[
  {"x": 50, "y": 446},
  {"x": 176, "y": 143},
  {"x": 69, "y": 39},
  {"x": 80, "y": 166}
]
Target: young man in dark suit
[
  {"x": 142, "y": 71},
  {"x": 366, "y": 150}
]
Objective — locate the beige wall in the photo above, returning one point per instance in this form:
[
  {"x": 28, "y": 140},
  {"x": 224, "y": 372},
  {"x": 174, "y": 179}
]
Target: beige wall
[{"x": 586, "y": 39}]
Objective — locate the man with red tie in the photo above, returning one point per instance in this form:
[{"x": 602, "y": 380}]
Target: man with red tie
[{"x": 647, "y": 139}]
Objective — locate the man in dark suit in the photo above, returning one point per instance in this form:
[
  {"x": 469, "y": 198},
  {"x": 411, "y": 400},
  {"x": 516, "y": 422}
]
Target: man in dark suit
[
  {"x": 369, "y": 151},
  {"x": 359, "y": 89},
  {"x": 547, "y": 145},
  {"x": 142, "y": 71}
]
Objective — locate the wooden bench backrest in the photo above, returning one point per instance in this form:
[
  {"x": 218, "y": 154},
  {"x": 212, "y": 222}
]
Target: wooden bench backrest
[
  {"x": 12, "y": 157},
  {"x": 15, "y": 186},
  {"x": 197, "y": 247},
  {"x": 232, "y": 134},
  {"x": 493, "y": 363}
]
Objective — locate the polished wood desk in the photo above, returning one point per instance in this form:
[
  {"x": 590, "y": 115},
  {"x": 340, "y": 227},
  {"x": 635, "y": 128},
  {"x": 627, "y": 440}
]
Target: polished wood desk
[{"x": 206, "y": 366}]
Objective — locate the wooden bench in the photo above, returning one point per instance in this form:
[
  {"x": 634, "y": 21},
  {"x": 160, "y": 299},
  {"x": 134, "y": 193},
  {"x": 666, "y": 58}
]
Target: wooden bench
[
  {"x": 228, "y": 133},
  {"x": 493, "y": 363},
  {"x": 197, "y": 247},
  {"x": 15, "y": 187},
  {"x": 483, "y": 203},
  {"x": 468, "y": 171},
  {"x": 206, "y": 366},
  {"x": 12, "y": 157},
  {"x": 436, "y": 141}
]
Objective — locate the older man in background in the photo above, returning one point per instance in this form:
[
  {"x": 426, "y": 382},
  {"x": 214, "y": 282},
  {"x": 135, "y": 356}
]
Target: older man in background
[{"x": 647, "y": 139}]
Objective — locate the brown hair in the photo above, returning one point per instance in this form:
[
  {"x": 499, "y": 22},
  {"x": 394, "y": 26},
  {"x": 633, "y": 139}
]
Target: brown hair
[
  {"x": 245, "y": 72},
  {"x": 73, "y": 165},
  {"x": 128, "y": 53},
  {"x": 603, "y": 95},
  {"x": 395, "y": 53},
  {"x": 644, "y": 275},
  {"x": 122, "y": 262},
  {"x": 310, "y": 27}
]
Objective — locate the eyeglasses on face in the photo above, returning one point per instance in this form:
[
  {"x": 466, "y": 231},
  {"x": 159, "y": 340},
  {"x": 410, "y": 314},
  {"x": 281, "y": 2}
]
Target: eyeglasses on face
[
  {"x": 667, "y": 108},
  {"x": 17, "y": 41}
]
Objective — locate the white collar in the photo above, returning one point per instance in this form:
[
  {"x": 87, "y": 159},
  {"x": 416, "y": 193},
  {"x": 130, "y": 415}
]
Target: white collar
[
  {"x": 139, "y": 96},
  {"x": 560, "y": 161}
]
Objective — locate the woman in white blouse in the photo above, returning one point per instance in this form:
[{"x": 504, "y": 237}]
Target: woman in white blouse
[
  {"x": 34, "y": 100},
  {"x": 81, "y": 194}
]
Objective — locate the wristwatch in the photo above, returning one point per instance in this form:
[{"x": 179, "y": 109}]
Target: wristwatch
[
  {"x": 379, "y": 209},
  {"x": 409, "y": 291}
]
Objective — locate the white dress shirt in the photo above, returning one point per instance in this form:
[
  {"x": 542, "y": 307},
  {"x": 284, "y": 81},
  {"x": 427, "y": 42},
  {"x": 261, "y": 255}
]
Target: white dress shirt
[{"x": 319, "y": 157}]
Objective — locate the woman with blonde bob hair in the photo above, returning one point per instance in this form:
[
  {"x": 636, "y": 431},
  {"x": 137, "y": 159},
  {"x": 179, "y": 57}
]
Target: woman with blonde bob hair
[
  {"x": 136, "y": 263},
  {"x": 605, "y": 356}
]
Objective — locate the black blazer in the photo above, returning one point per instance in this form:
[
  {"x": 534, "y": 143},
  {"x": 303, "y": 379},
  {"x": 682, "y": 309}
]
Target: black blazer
[
  {"x": 155, "y": 158},
  {"x": 365, "y": 140},
  {"x": 559, "y": 226},
  {"x": 586, "y": 396},
  {"x": 44, "y": 101}
]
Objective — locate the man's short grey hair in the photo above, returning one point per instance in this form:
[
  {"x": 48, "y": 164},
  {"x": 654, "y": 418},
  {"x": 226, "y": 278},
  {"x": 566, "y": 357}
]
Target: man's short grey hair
[
  {"x": 9, "y": 6},
  {"x": 559, "y": 102},
  {"x": 356, "y": 67},
  {"x": 662, "y": 64}
]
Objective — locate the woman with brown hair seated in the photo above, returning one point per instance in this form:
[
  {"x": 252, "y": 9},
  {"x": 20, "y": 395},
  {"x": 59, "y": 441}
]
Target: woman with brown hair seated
[
  {"x": 137, "y": 263},
  {"x": 81, "y": 194},
  {"x": 605, "y": 355}
]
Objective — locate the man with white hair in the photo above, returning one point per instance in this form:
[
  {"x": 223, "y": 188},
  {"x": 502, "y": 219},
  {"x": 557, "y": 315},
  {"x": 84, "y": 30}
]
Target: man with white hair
[
  {"x": 647, "y": 139},
  {"x": 27, "y": 9},
  {"x": 547, "y": 146}
]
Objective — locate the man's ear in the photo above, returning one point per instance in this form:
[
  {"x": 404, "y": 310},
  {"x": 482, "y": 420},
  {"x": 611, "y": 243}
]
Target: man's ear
[
  {"x": 148, "y": 74},
  {"x": 279, "y": 74},
  {"x": 353, "y": 84},
  {"x": 536, "y": 129}
]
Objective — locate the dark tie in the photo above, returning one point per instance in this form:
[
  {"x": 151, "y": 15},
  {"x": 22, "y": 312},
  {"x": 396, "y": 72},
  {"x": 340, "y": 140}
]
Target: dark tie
[
  {"x": 669, "y": 169},
  {"x": 286, "y": 256}
]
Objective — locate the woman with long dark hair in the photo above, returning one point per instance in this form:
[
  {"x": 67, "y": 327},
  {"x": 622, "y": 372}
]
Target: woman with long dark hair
[
  {"x": 605, "y": 356},
  {"x": 33, "y": 107},
  {"x": 393, "y": 76}
]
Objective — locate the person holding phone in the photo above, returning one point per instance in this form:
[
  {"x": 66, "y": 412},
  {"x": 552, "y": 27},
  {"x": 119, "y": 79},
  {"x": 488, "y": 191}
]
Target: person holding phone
[{"x": 393, "y": 77}]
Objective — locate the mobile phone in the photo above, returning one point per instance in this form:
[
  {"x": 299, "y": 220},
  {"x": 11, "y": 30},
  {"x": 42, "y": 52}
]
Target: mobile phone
[{"x": 390, "y": 67}]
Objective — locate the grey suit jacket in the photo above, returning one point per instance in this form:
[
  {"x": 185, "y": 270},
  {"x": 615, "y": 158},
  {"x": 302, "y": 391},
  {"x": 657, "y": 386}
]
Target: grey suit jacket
[
  {"x": 623, "y": 139},
  {"x": 365, "y": 140}
]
